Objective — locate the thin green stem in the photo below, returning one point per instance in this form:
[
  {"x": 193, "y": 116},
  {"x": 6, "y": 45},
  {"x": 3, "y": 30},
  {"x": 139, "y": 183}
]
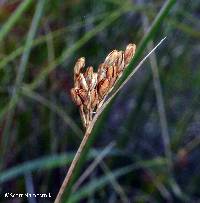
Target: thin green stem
[
  {"x": 20, "y": 74},
  {"x": 67, "y": 183},
  {"x": 54, "y": 108},
  {"x": 14, "y": 18},
  {"x": 159, "y": 98},
  {"x": 150, "y": 34}
]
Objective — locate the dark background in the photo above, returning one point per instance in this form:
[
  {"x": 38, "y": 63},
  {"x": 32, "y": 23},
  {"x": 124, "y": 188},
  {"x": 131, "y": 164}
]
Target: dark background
[{"x": 40, "y": 127}]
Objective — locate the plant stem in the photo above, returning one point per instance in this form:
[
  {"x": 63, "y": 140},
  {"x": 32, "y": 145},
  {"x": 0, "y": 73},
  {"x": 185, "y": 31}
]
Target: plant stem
[
  {"x": 20, "y": 75},
  {"x": 73, "y": 165},
  {"x": 90, "y": 127},
  {"x": 14, "y": 18},
  {"x": 159, "y": 97}
]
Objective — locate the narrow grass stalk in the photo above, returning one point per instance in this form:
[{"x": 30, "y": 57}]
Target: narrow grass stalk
[
  {"x": 73, "y": 165},
  {"x": 90, "y": 127},
  {"x": 14, "y": 18},
  {"x": 96, "y": 184},
  {"x": 42, "y": 39},
  {"x": 162, "y": 113},
  {"x": 47, "y": 163},
  {"x": 150, "y": 34},
  {"x": 92, "y": 166},
  {"x": 160, "y": 186},
  {"x": 20, "y": 73},
  {"x": 54, "y": 108},
  {"x": 159, "y": 98},
  {"x": 116, "y": 186}
]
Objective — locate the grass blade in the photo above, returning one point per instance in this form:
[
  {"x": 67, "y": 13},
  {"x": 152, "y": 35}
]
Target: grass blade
[
  {"x": 155, "y": 26},
  {"x": 14, "y": 18},
  {"x": 159, "y": 99},
  {"x": 55, "y": 108},
  {"x": 46, "y": 163},
  {"x": 66, "y": 185},
  {"x": 21, "y": 71},
  {"x": 94, "y": 185}
]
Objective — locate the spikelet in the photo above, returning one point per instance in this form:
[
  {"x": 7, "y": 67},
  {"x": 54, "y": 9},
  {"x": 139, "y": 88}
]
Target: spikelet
[{"x": 90, "y": 88}]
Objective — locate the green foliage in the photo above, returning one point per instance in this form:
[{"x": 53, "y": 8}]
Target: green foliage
[{"x": 40, "y": 42}]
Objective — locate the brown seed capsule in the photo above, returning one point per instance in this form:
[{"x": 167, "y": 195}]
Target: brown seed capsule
[
  {"x": 102, "y": 69},
  {"x": 83, "y": 94},
  {"x": 103, "y": 87},
  {"x": 77, "y": 83},
  {"x": 111, "y": 72},
  {"x": 111, "y": 75},
  {"x": 120, "y": 62},
  {"x": 75, "y": 96},
  {"x": 89, "y": 73},
  {"x": 129, "y": 53},
  {"x": 82, "y": 81},
  {"x": 111, "y": 58},
  {"x": 94, "y": 81},
  {"x": 78, "y": 66},
  {"x": 91, "y": 78},
  {"x": 94, "y": 98}
]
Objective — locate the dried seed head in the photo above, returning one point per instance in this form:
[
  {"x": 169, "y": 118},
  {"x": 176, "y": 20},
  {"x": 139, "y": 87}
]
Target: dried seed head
[
  {"x": 94, "y": 81},
  {"x": 89, "y": 72},
  {"x": 120, "y": 62},
  {"x": 94, "y": 98},
  {"x": 83, "y": 94},
  {"x": 116, "y": 58},
  {"x": 111, "y": 72},
  {"x": 75, "y": 97},
  {"x": 82, "y": 82},
  {"x": 111, "y": 58},
  {"x": 102, "y": 71},
  {"x": 129, "y": 53},
  {"x": 90, "y": 88},
  {"x": 112, "y": 75},
  {"x": 78, "y": 67},
  {"x": 91, "y": 78},
  {"x": 103, "y": 87}
]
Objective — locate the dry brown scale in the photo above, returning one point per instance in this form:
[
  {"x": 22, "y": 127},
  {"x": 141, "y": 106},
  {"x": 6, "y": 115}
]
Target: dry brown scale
[{"x": 90, "y": 88}]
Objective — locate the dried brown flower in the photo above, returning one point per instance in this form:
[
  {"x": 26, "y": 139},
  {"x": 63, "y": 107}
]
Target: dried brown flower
[{"x": 90, "y": 88}]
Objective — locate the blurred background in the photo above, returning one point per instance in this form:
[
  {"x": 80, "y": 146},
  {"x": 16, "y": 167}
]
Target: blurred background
[{"x": 146, "y": 148}]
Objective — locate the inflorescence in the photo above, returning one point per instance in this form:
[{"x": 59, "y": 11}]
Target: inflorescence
[{"x": 90, "y": 88}]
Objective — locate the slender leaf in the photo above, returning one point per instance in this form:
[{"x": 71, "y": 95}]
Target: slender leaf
[
  {"x": 101, "y": 182},
  {"x": 140, "y": 50},
  {"x": 47, "y": 163},
  {"x": 14, "y": 18}
]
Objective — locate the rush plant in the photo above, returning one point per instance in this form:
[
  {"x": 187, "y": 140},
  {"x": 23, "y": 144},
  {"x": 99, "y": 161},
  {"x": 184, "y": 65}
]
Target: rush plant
[{"x": 92, "y": 92}]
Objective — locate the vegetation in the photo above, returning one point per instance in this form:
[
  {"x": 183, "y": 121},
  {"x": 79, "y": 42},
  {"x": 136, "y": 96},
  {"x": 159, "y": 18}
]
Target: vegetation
[{"x": 144, "y": 147}]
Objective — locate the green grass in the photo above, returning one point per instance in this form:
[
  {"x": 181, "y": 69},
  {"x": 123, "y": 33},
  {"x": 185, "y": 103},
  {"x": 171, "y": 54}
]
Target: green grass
[
  {"x": 20, "y": 74},
  {"x": 5, "y": 29},
  {"x": 40, "y": 127},
  {"x": 149, "y": 36}
]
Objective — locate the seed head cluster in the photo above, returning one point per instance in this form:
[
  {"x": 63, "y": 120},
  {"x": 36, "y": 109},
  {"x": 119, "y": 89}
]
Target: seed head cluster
[{"x": 91, "y": 88}]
